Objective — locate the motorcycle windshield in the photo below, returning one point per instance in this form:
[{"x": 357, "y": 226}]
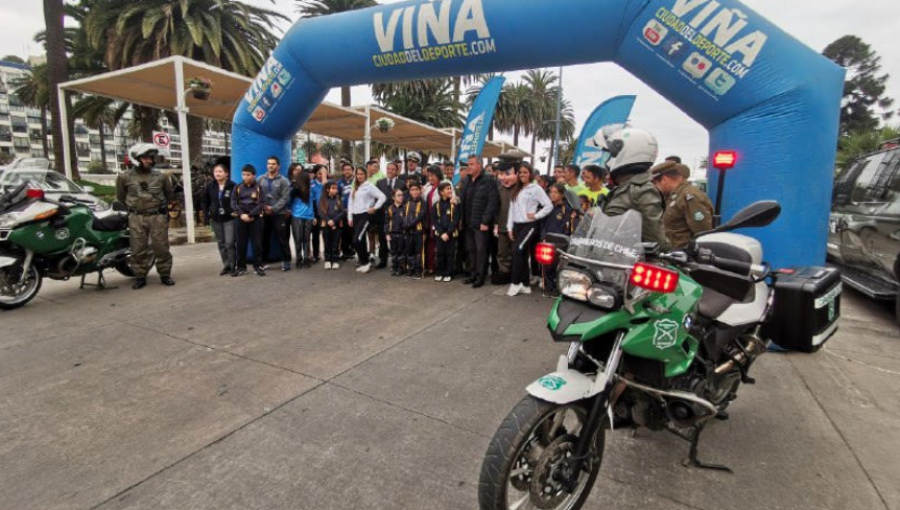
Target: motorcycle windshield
[{"x": 611, "y": 240}]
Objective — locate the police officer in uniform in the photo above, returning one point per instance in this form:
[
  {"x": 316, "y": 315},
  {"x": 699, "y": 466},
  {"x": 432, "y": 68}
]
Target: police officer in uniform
[
  {"x": 632, "y": 153},
  {"x": 688, "y": 210},
  {"x": 146, "y": 192}
]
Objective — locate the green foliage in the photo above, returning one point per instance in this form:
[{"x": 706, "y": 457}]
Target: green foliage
[
  {"x": 859, "y": 144},
  {"x": 428, "y": 101},
  {"x": 33, "y": 88},
  {"x": 865, "y": 102},
  {"x": 105, "y": 193},
  {"x": 313, "y": 8}
]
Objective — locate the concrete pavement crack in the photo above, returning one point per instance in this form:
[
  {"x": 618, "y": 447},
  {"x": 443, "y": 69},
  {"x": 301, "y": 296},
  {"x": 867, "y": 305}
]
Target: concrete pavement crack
[{"x": 841, "y": 435}]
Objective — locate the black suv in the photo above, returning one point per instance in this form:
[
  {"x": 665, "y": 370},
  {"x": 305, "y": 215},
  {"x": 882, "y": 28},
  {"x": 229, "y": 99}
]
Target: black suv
[{"x": 864, "y": 231}]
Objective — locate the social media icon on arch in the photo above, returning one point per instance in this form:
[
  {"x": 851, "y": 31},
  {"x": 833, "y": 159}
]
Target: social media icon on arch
[
  {"x": 674, "y": 46},
  {"x": 259, "y": 114},
  {"x": 719, "y": 81},
  {"x": 655, "y": 32},
  {"x": 697, "y": 65}
]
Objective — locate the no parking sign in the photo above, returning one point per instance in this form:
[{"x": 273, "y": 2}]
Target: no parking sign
[{"x": 162, "y": 141}]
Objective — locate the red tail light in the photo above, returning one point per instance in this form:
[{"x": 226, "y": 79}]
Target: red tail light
[
  {"x": 654, "y": 278},
  {"x": 545, "y": 253},
  {"x": 34, "y": 193},
  {"x": 724, "y": 160}
]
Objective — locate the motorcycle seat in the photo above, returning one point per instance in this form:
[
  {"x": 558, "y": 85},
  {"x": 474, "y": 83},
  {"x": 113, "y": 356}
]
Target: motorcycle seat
[
  {"x": 713, "y": 304},
  {"x": 111, "y": 223}
]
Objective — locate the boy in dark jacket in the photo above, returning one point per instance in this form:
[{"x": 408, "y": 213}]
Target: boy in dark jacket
[
  {"x": 446, "y": 231},
  {"x": 394, "y": 228},
  {"x": 414, "y": 228},
  {"x": 247, "y": 206}
]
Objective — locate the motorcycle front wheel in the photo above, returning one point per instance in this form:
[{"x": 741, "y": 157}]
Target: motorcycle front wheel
[
  {"x": 15, "y": 292},
  {"x": 525, "y": 463}
]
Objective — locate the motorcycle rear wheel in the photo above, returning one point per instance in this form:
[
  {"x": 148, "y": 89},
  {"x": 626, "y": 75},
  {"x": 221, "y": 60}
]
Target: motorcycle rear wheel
[
  {"x": 526, "y": 453},
  {"x": 14, "y": 294}
]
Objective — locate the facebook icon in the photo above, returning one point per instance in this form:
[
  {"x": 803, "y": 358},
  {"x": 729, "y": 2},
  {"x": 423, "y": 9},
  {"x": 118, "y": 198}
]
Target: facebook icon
[{"x": 673, "y": 47}]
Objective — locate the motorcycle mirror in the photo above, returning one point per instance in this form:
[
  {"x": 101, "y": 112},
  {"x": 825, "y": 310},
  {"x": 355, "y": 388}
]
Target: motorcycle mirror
[{"x": 755, "y": 215}]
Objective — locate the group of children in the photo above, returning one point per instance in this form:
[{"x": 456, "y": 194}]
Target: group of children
[{"x": 342, "y": 208}]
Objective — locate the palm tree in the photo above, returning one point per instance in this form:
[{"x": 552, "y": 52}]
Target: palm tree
[
  {"x": 34, "y": 91},
  {"x": 428, "y": 101},
  {"x": 566, "y": 127},
  {"x": 230, "y": 34},
  {"x": 544, "y": 95},
  {"x": 99, "y": 113},
  {"x": 329, "y": 150},
  {"x": 57, "y": 72},
  {"x": 310, "y": 147},
  {"x": 316, "y": 8},
  {"x": 515, "y": 110}
]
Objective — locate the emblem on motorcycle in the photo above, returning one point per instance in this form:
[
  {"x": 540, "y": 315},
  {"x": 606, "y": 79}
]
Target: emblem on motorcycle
[
  {"x": 62, "y": 234},
  {"x": 552, "y": 382},
  {"x": 666, "y": 334}
]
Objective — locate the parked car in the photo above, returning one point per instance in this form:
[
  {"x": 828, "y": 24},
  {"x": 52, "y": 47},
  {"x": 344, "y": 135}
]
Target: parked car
[
  {"x": 38, "y": 173},
  {"x": 864, "y": 231}
]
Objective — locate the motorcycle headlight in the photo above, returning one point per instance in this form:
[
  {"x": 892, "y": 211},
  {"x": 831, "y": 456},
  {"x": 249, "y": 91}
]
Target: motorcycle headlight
[
  {"x": 8, "y": 220},
  {"x": 581, "y": 287},
  {"x": 574, "y": 284}
]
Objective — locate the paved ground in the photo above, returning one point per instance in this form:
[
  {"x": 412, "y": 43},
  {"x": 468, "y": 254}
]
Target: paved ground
[{"x": 330, "y": 390}]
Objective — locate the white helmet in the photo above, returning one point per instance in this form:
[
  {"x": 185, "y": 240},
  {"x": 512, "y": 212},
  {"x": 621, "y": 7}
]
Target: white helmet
[
  {"x": 142, "y": 149},
  {"x": 631, "y": 146}
]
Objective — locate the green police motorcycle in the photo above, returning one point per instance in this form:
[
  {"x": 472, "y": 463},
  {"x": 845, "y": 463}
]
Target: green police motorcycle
[
  {"x": 63, "y": 239},
  {"x": 656, "y": 340}
]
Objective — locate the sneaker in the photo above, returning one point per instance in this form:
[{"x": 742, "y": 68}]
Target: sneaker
[
  {"x": 416, "y": 277},
  {"x": 328, "y": 265},
  {"x": 448, "y": 279},
  {"x": 260, "y": 271},
  {"x": 438, "y": 279},
  {"x": 239, "y": 272},
  {"x": 264, "y": 267},
  {"x": 550, "y": 294},
  {"x": 514, "y": 290},
  {"x": 365, "y": 269},
  {"x": 285, "y": 266},
  {"x": 524, "y": 289},
  {"x": 225, "y": 270},
  {"x": 335, "y": 265}
]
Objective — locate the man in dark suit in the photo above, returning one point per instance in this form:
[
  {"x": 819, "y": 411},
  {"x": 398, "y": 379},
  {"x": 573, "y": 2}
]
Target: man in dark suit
[{"x": 387, "y": 186}]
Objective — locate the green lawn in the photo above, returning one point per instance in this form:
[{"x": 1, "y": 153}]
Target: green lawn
[{"x": 107, "y": 193}]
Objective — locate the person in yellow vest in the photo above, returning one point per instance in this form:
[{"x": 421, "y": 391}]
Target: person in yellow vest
[{"x": 594, "y": 177}]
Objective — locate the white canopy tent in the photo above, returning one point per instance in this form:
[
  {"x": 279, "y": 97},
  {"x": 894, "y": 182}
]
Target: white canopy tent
[{"x": 163, "y": 84}]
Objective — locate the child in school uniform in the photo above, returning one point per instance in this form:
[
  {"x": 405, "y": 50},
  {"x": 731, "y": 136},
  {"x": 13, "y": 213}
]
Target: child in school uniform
[
  {"x": 394, "y": 228},
  {"x": 561, "y": 220},
  {"x": 332, "y": 215},
  {"x": 247, "y": 206},
  {"x": 446, "y": 231},
  {"x": 414, "y": 212}
]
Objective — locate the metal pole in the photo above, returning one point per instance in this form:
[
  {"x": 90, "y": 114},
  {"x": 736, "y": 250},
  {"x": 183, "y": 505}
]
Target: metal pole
[
  {"x": 558, "y": 113},
  {"x": 185, "y": 151},
  {"x": 717, "y": 218},
  {"x": 64, "y": 123},
  {"x": 368, "y": 133},
  {"x": 453, "y": 154}
]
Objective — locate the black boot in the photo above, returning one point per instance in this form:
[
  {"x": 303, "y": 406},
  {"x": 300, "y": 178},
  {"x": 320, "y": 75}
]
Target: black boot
[
  {"x": 139, "y": 283},
  {"x": 167, "y": 281}
]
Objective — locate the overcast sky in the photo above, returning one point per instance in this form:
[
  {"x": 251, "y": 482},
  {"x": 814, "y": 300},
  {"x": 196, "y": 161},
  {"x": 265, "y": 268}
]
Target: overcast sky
[{"x": 814, "y": 23}]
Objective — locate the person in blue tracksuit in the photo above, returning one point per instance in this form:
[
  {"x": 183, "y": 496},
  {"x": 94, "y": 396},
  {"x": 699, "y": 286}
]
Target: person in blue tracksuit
[
  {"x": 394, "y": 228},
  {"x": 318, "y": 178},
  {"x": 302, "y": 214}
]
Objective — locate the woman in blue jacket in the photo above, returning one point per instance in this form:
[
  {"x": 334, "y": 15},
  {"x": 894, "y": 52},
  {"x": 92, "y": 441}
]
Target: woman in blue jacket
[{"x": 302, "y": 214}]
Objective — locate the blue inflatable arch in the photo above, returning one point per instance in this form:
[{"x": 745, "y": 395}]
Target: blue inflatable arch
[{"x": 755, "y": 88}]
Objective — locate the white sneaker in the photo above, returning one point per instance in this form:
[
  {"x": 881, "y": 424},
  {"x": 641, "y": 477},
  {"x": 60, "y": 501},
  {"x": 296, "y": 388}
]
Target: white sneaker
[
  {"x": 447, "y": 279},
  {"x": 328, "y": 265},
  {"x": 524, "y": 289},
  {"x": 514, "y": 290},
  {"x": 335, "y": 265},
  {"x": 438, "y": 279},
  {"x": 365, "y": 269}
]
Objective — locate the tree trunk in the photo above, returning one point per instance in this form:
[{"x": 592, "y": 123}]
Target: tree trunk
[
  {"x": 44, "y": 133},
  {"x": 516, "y": 135},
  {"x": 147, "y": 121},
  {"x": 57, "y": 72},
  {"x": 101, "y": 129},
  {"x": 227, "y": 139},
  {"x": 533, "y": 148},
  {"x": 345, "y": 144}
]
